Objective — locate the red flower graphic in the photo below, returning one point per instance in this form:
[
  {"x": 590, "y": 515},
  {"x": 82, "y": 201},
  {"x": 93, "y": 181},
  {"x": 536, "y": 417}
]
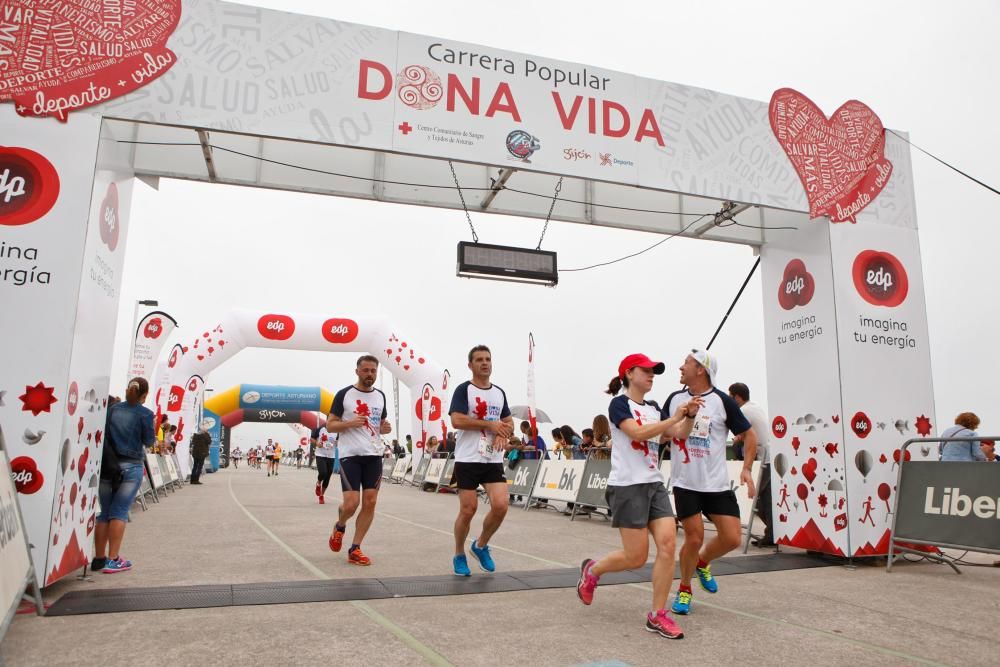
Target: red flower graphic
[
  {"x": 923, "y": 425},
  {"x": 481, "y": 408}
]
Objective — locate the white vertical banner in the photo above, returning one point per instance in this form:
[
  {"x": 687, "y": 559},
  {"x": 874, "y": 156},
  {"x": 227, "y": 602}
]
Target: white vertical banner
[
  {"x": 46, "y": 181},
  {"x": 148, "y": 339},
  {"x": 74, "y": 506},
  {"x": 886, "y": 372},
  {"x": 808, "y": 477}
]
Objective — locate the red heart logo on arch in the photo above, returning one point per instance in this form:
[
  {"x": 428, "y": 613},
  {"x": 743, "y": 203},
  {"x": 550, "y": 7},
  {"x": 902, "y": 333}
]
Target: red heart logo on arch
[
  {"x": 70, "y": 55},
  {"x": 840, "y": 160},
  {"x": 809, "y": 469}
]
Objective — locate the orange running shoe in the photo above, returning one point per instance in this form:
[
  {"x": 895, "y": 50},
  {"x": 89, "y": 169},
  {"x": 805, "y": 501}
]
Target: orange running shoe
[
  {"x": 336, "y": 540},
  {"x": 355, "y": 557}
]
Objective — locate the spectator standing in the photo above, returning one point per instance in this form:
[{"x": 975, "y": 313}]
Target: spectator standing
[
  {"x": 128, "y": 431},
  {"x": 759, "y": 423},
  {"x": 965, "y": 426},
  {"x": 602, "y": 437},
  {"x": 200, "y": 442}
]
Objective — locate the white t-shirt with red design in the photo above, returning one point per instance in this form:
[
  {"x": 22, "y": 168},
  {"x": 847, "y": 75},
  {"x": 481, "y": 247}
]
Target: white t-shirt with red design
[
  {"x": 490, "y": 405},
  {"x": 351, "y": 402},
  {"x": 633, "y": 461},
  {"x": 698, "y": 463}
]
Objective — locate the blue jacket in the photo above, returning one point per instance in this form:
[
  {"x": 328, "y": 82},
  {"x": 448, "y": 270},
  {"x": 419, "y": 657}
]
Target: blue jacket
[
  {"x": 961, "y": 451},
  {"x": 129, "y": 430}
]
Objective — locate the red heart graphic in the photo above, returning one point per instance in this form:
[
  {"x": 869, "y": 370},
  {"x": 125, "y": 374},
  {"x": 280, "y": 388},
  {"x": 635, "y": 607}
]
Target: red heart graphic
[
  {"x": 406, "y": 367},
  {"x": 82, "y": 467},
  {"x": 403, "y": 344},
  {"x": 840, "y": 161},
  {"x": 398, "y": 359},
  {"x": 97, "y": 437},
  {"x": 835, "y": 419},
  {"x": 201, "y": 357},
  {"x": 420, "y": 360},
  {"x": 111, "y": 53},
  {"x": 809, "y": 469},
  {"x": 205, "y": 335},
  {"x": 222, "y": 343},
  {"x": 184, "y": 349}
]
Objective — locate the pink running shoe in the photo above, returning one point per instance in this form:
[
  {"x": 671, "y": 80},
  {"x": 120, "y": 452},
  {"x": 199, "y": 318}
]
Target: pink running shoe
[
  {"x": 663, "y": 625},
  {"x": 588, "y": 582}
]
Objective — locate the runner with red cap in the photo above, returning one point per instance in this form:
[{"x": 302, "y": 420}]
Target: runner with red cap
[
  {"x": 700, "y": 479},
  {"x": 639, "y": 502}
]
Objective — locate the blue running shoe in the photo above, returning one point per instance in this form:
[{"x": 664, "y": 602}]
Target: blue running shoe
[
  {"x": 706, "y": 579},
  {"x": 682, "y": 603},
  {"x": 484, "y": 557},
  {"x": 117, "y": 565},
  {"x": 461, "y": 566}
]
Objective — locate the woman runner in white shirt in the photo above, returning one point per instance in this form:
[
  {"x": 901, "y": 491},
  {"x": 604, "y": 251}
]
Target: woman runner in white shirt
[{"x": 639, "y": 503}]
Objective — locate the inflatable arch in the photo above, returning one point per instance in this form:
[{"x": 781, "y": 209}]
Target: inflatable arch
[
  {"x": 180, "y": 388},
  {"x": 262, "y": 404}
]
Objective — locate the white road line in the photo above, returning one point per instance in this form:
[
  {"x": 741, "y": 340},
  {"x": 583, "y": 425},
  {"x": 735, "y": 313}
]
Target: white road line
[{"x": 426, "y": 652}]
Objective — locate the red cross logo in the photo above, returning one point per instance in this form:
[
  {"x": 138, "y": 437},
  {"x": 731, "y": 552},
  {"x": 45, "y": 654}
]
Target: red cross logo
[{"x": 405, "y": 128}]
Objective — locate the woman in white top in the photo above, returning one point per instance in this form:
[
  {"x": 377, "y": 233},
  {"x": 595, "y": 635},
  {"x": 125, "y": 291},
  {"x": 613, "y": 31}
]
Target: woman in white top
[{"x": 639, "y": 502}]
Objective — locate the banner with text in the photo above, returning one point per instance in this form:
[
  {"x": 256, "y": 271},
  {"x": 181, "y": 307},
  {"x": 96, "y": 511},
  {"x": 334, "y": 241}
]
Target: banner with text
[{"x": 149, "y": 337}]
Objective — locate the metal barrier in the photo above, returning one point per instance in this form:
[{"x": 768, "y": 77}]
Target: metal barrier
[
  {"x": 594, "y": 484},
  {"x": 947, "y": 504}
]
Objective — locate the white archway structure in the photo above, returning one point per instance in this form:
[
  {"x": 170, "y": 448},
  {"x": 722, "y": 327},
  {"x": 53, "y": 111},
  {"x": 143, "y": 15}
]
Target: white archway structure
[{"x": 179, "y": 390}]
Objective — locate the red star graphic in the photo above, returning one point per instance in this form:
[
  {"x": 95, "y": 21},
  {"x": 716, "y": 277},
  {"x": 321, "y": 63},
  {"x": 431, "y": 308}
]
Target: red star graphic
[
  {"x": 923, "y": 425},
  {"x": 38, "y": 398}
]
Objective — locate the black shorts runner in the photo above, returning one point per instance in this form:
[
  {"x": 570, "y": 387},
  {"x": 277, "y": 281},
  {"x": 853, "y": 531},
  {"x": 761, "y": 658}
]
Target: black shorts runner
[
  {"x": 635, "y": 505},
  {"x": 469, "y": 476},
  {"x": 688, "y": 503},
  {"x": 360, "y": 472}
]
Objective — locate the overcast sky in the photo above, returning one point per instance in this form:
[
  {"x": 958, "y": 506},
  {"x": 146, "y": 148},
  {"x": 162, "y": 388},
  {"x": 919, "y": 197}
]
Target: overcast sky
[{"x": 925, "y": 68}]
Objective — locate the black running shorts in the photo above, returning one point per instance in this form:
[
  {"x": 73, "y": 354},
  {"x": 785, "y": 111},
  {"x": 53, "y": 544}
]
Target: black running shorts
[
  {"x": 689, "y": 503},
  {"x": 358, "y": 473},
  {"x": 469, "y": 476}
]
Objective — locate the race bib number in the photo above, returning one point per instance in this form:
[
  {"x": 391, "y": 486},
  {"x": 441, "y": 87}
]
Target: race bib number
[
  {"x": 701, "y": 431},
  {"x": 485, "y": 445}
]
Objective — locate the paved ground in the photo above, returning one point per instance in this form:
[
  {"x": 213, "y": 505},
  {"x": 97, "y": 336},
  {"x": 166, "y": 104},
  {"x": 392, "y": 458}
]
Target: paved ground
[{"x": 242, "y": 527}]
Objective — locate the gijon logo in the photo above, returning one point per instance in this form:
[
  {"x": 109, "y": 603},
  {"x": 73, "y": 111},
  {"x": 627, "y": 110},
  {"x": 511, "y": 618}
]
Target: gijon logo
[
  {"x": 29, "y": 186},
  {"x": 880, "y": 278},
  {"x": 797, "y": 285}
]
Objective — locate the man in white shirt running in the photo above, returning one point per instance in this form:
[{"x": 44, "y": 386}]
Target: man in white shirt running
[
  {"x": 699, "y": 476},
  {"x": 359, "y": 419},
  {"x": 480, "y": 414},
  {"x": 269, "y": 455}
]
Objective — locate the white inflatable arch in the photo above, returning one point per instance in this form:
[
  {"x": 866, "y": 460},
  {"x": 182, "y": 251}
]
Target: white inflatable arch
[{"x": 179, "y": 388}]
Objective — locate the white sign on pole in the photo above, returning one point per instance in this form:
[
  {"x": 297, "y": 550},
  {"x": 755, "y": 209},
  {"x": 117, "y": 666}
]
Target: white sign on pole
[{"x": 149, "y": 337}]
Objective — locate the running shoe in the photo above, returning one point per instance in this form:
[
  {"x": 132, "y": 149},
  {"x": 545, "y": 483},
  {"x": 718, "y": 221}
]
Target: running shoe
[
  {"x": 483, "y": 556},
  {"x": 588, "y": 582},
  {"x": 322, "y": 501},
  {"x": 117, "y": 565},
  {"x": 706, "y": 579},
  {"x": 663, "y": 625},
  {"x": 98, "y": 564},
  {"x": 356, "y": 557},
  {"x": 319, "y": 489},
  {"x": 461, "y": 565},
  {"x": 682, "y": 603},
  {"x": 336, "y": 540}
]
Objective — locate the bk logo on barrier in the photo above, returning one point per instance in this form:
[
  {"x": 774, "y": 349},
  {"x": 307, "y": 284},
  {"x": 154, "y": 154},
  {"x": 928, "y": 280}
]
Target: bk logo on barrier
[
  {"x": 29, "y": 186},
  {"x": 276, "y": 327},
  {"x": 340, "y": 331},
  {"x": 880, "y": 278}
]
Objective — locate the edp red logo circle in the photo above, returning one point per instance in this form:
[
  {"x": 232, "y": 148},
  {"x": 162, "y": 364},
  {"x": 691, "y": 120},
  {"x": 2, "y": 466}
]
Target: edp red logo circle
[
  {"x": 153, "y": 329},
  {"x": 29, "y": 186},
  {"x": 779, "y": 427},
  {"x": 435, "y": 411},
  {"x": 797, "y": 285},
  {"x": 175, "y": 398},
  {"x": 276, "y": 327},
  {"x": 340, "y": 331},
  {"x": 861, "y": 425},
  {"x": 73, "y": 398},
  {"x": 109, "y": 218},
  {"x": 880, "y": 278},
  {"x": 27, "y": 478}
]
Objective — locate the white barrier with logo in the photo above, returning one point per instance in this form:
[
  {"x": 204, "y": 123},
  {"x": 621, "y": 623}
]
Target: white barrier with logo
[
  {"x": 399, "y": 470},
  {"x": 559, "y": 480},
  {"x": 434, "y": 471},
  {"x": 153, "y": 466}
]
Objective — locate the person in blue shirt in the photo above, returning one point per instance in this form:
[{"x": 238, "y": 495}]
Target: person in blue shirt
[
  {"x": 533, "y": 447},
  {"x": 965, "y": 426},
  {"x": 128, "y": 431}
]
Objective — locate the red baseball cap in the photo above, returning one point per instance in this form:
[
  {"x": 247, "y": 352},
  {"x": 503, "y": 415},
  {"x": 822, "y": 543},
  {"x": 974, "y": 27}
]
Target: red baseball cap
[{"x": 642, "y": 361}]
